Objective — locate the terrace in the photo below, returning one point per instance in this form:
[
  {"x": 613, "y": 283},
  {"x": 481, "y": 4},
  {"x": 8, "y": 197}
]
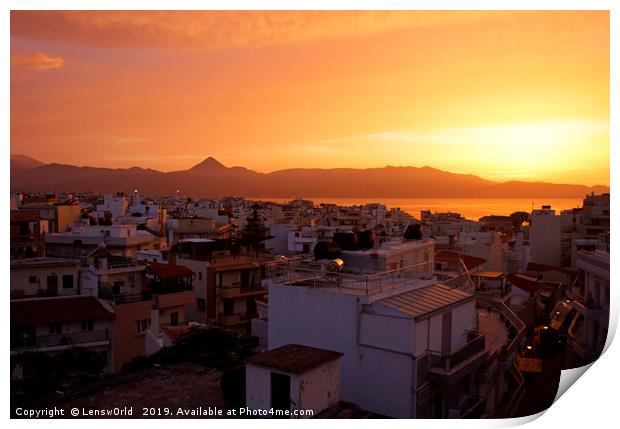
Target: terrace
[{"x": 312, "y": 274}]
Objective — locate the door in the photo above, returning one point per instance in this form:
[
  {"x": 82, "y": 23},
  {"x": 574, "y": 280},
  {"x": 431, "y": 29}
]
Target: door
[
  {"x": 52, "y": 285},
  {"x": 280, "y": 391}
]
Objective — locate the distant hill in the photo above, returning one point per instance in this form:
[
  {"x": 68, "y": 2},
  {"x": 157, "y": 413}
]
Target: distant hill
[
  {"x": 210, "y": 178},
  {"x": 23, "y": 162}
]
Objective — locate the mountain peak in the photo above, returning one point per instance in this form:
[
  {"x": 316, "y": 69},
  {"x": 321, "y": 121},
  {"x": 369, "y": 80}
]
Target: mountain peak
[
  {"x": 210, "y": 163},
  {"x": 24, "y": 162}
]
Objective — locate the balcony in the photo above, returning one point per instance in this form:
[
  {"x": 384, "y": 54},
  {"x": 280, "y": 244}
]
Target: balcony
[
  {"x": 234, "y": 319},
  {"x": 449, "y": 368},
  {"x": 588, "y": 308},
  {"x": 60, "y": 341},
  {"x": 238, "y": 290},
  {"x": 120, "y": 299}
]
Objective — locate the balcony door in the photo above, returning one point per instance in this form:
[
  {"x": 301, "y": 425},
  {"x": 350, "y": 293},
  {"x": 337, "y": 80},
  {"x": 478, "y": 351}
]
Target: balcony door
[{"x": 52, "y": 285}]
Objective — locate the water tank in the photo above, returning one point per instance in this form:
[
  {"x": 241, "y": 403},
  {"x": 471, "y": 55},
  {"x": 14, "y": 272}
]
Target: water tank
[
  {"x": 365, "y": 239},
  {"x": 413, "y": 232},
  {"x": 335, "y": 265},
  {"x": 326, "y": 250},
  {"x": 346, "y": 240}
]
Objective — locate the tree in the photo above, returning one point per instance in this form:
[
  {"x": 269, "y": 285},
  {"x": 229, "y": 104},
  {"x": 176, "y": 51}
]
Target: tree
[{"x": 254, "y": 230}]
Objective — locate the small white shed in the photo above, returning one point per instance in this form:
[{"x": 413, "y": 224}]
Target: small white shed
[{"x": 293, "y": 377}]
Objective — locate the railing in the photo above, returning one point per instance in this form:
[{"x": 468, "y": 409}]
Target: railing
[
  {"x": 365, "y": 284},
  {"x": 68, "y": 339},
  {"x": 125, "y": 299},
  {"x": 239, "y": 290},
  {"x": 234, "y": 319},
  {"x": 517, "y": 325},
  {"x": 588, "y": 307},
  {"x": 475, "y": 407},
  {"x": 449, "y": 363},
  {"x": 162, "y": 288}
]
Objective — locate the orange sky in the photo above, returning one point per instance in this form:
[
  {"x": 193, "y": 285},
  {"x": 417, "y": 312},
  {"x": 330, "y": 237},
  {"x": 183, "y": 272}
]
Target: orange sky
[{"x": 504, "y": 95}]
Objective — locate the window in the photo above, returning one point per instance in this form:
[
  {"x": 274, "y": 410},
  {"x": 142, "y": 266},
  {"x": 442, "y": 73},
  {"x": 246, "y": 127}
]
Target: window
[
  {"x": 87, "y": 325},
  {"x": 32, "y": 279},
  {"x": 219, "y": 279},
  {"x": 200, "y": 304},
  {"x": 67, "y": 281},
  {"x": 229, "y": 306},
  {"x": 142, "y": 325},
  {"x": 55, "y": 329},
  {"x": 174, "y": 318},
  {"x": 199, "y": 275}
]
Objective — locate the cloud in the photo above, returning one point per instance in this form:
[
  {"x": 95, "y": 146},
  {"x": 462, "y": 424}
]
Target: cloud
[
  {"x": 211, "y": 30},
  {"x": 547, "y": 131},
  {"x": 36, "y": 61}
]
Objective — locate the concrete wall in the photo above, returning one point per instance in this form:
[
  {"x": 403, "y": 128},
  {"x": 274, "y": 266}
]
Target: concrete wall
[
  {"x": 318, "y": 389},
  {"x": 546, "y": 239},
  {"x": 20, "y": 279},
  {"x": 386, "y": 384},
  {"x": 315, "y": 390},
  {"x": 127, "y": 343},
  {"x": 317, "y": 319}
]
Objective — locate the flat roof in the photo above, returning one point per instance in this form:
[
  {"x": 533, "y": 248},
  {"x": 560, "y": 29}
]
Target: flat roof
[
  {"x": 294, "y": 358},
  {"x": 488, "y": 274},
  {"x": 44, "y": 261},
  {"x": 426, "y": 300}
]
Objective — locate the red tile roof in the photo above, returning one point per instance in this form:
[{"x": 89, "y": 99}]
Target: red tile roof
[
  {"x": 167, "y": 271},
  {"x": 450, "y": 256},
  {"x": 45, "y": 311}
]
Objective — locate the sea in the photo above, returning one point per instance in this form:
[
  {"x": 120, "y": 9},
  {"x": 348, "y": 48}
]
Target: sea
[{"x": 470, "y": 208}]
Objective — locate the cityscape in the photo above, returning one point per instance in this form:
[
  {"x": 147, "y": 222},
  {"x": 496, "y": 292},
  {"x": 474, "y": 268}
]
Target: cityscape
[{"x": 422, "y": 274}]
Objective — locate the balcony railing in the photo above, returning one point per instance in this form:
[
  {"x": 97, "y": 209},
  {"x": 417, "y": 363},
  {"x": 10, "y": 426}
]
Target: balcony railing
[
  {"x": 295, "y": 274},
  {"x": 234, "y": 319},
  {"x": 120, "y": 299},
  {"x": 588, "y": 308},
  {"x": 454, "y": 361},
  {"x": 237, "y": 290},
  {"x": 68, "y": 339}
]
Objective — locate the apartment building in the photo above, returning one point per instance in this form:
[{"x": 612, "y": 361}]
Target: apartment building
[
  {"x": 51, "y": 325},
  {"x": 587, "y": 332},
  {"x": 27, "y": 232},
  {"x": 227, "y": 284},
  {"x": 412, "y": 347},
  {"x": 121, "y": 240},
  {"x": 44, "y": 277}
]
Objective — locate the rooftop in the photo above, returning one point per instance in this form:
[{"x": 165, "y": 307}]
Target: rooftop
[
  {"x": 451, "y": 256},
  {"x": 489, "y": 274},
  {"x": 167, "y": 271},
  {"x": 46, "y": 311},
  {"x": 44, "y": 261},
  {"x": 294, "y": 358},
  {"x": 426, "y": 300}
]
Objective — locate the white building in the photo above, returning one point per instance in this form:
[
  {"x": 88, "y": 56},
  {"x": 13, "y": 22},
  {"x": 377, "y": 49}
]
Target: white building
[
  {"x": 411, "y": 346},
  {"x": 486, "y": 245},
  {"x": 588, "y": 330},
  {"x": 293, "y": 377},
  {"x": 545, "y": 233}
]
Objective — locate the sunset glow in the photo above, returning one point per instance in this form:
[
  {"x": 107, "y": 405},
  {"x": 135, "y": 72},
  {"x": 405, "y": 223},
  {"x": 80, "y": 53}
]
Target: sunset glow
[{"x": 503, "y": 95}]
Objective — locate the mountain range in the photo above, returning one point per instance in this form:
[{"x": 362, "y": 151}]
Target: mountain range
[{"x": 210, "y": 178}]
